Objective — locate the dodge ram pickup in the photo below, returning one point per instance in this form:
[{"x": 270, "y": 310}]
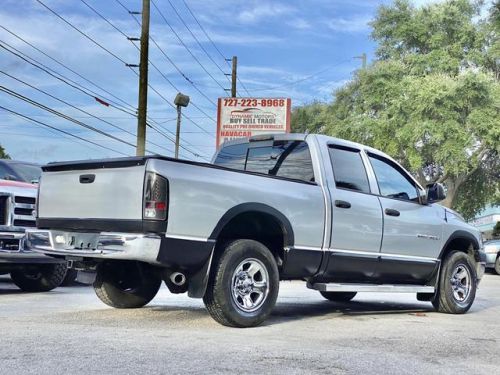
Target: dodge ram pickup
[
  {"x": 341, "y": 216},
  {"x": 30, "y": 271}
]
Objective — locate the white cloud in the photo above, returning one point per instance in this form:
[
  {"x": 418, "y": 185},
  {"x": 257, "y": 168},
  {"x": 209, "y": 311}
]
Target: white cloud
[
  {"x": 263, "y": 12},
  {"x": 299, "y": 23},
  {"x": 350, "y": 25}
]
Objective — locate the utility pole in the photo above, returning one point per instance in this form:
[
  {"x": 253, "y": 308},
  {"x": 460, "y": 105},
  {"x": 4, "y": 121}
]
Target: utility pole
[
  {"x": 143, "y": 81},
  {"x": 233, "y": 77},
  {"x": 363, "y": 59}
]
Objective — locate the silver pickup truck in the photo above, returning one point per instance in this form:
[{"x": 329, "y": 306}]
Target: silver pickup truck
[{"x": 344, "y": 217}]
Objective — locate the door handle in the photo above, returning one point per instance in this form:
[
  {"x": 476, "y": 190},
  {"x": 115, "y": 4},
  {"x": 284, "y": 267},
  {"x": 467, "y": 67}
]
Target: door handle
[
  {"x": 392, "y": 212},
  {"x": 87, "y": 178},
  {"x": 342, "y": 204}
]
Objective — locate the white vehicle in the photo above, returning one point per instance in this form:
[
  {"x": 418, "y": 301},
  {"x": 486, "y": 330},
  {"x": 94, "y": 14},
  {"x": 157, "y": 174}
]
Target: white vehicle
[{"x": 30, "y": 271}]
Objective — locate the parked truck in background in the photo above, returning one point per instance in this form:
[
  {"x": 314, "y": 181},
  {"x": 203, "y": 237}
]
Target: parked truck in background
[
  {"x": 344, "y": 217},
  {"x": 30, "y": 271}
]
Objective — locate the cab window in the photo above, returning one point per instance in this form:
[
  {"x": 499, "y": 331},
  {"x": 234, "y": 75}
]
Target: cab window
[
  {"x": 348, "y": 169},
  {"x": 392, "y": 182}
]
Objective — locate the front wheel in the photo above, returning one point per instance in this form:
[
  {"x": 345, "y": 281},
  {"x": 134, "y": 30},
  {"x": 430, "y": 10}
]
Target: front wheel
[
  {"x": 243, "y": 285},
  {"x": 339, "y": 296},
  {"x": 40, "y": 278},
  {"x": 497, "y": 265},
  {"x": 457, "y": 284},
  {"x": 126, "y": 285}
]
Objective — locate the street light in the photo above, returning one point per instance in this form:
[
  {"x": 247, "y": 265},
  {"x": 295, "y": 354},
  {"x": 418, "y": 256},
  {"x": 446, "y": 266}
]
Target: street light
[{"x": 180, "y": 100}]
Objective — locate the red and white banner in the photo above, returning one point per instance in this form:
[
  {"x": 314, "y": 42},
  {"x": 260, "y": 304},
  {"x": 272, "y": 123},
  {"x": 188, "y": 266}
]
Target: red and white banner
[{"x": 245, "y": 117}]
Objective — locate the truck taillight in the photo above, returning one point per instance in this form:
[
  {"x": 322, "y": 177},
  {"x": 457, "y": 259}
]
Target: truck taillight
[{"x": 155, "y": 197}]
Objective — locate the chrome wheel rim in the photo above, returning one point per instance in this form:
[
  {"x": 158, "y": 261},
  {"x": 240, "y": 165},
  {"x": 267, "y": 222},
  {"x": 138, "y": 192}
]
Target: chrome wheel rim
[
  {"x": 250, "y": 285},
  {"x": 461, "y": 283}
]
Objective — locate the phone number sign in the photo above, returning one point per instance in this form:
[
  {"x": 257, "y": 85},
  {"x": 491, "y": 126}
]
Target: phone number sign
[{"x": 245, "y": 117}]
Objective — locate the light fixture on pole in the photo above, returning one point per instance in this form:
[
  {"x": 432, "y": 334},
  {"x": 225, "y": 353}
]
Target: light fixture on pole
[{"x": 180, "y": 100}]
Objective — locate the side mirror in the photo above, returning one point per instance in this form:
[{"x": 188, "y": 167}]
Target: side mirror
[{"x": 435, "y": 192}]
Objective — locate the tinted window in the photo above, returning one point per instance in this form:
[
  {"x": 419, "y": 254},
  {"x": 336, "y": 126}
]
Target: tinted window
[
  {"x": 293, "y": 160},
  {"x": 290, "y": 159},
  {"x": 392, "y": 182},
  {"x": 349, "y": 170},
  {"x": 232, "y": 156},
  {"x": 28, "y": 172},
  {"x": 4, "y": 172},
  {"x": 260, "y": 159}
]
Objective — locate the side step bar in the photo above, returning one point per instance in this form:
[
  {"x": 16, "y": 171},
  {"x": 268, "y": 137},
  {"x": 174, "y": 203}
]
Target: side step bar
[{"x": 381, "y": 288}]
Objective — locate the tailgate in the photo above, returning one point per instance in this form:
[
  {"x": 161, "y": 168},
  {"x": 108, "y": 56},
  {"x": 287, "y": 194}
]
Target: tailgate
[{"x": 92, "y": 191}]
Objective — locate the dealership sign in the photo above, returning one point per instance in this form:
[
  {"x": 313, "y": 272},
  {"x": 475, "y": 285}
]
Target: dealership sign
[{"x": 245, "y": 117}]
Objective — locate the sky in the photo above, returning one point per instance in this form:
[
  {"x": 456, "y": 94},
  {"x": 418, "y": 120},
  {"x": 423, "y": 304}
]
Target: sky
[{"x": 301, "y": 49}]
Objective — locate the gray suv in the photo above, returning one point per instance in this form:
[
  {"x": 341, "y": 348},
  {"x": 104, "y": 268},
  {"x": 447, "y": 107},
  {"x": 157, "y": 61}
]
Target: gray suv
[{"x": 344, "y": 217}]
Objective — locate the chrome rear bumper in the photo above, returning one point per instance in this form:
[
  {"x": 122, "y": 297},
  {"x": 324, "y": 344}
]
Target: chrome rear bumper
[{"x": 104, "y": 245}]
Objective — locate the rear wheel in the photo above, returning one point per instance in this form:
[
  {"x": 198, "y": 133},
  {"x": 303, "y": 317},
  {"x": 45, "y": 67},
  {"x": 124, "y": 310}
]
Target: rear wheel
[
  {"x": 497, "y": 265},
  {"x": 40, "y": 278},
  {"x": 339, "y": 296},
  {"x": 126, "y": 285},
  {"x": 243, "y": 286},
  {"x": 457, "y": 284}
]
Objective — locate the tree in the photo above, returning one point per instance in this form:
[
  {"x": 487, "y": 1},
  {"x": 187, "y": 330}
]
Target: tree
[
  {"x": 3, "y": 154},
  {"x": 431, "y": 99},
  {"x": 496, "y": 230}
]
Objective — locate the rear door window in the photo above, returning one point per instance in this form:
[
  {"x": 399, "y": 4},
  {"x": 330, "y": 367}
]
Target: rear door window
[{"x": 348, "y": 169}]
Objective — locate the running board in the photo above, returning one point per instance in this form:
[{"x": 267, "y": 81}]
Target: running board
[{"x": 381, "y": 288}]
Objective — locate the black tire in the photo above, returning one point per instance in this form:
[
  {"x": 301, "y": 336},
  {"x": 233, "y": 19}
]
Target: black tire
[
  {"x": 448, "y": 301},
  {"x": 339, "y": 296},
  {"x": 226, "y": 307},
  {"x": 126, "y": 285},
  {"x": 41, "y": 278},
  {"x": 497, "y": 265},
  {"x": 70, "y": 277}
]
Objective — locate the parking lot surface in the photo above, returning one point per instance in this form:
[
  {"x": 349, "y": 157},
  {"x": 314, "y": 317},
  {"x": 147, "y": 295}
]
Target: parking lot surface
[{"x": 69, "y": 330}]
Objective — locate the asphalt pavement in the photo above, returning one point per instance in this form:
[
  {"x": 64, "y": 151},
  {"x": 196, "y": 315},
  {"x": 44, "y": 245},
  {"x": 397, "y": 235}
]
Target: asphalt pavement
[{"x": 69, "y": 331}]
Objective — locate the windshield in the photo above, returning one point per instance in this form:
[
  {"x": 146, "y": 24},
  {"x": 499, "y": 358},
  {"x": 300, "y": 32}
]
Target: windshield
[{"x": 28, "y": 172}]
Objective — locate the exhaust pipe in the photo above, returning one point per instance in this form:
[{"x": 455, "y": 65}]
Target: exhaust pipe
[{"x": 178, "y": 278}]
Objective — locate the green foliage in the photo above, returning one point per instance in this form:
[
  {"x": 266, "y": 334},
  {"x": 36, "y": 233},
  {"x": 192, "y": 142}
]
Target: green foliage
[
  {"x": 496, "y": 230},
  {"x": 431, "y": 99},
  {"x": 3, "y": 154}
]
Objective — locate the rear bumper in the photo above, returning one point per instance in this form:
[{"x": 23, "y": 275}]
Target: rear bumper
[{"x": 104, "y": 245}]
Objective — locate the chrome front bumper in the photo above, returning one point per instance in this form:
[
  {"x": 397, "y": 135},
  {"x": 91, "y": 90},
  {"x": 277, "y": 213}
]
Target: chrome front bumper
[
  {"x": 20, "y": 254},
  {"x": 104, "y": 245}
]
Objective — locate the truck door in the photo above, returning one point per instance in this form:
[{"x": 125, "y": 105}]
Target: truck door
[
  {"x": 356, "y": 232},
  {"x": 412, "y": 236}
]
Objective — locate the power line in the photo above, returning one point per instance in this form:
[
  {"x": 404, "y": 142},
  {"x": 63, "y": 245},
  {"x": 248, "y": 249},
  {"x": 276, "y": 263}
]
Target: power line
[
  {"x": 78, "y": 109},
  {"x": 185, "y": 46},
  {"x": 196, "y": 39},
  {"x": 169, "y": 60},
  {"x": 213, "y": 43},
  {"x": 100, "y": 46},
  {"x": 62, "y": 115},
  {"x": 68, "y": 68},
  {"x": 156, "y": 68},
  {"x": 166, "y": 78},
  {"x": 293, "y": 83},
  {"x": 59, "y": 130},
  {"x": 81, "y": 32},
  {"x": 58, "y": 75}
]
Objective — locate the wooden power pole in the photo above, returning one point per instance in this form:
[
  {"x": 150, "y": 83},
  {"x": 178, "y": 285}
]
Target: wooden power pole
[
  {"x": 233, "y": 76},
  {"x": 363, "y": 59},
  {"x": 143, "y": 81}
]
